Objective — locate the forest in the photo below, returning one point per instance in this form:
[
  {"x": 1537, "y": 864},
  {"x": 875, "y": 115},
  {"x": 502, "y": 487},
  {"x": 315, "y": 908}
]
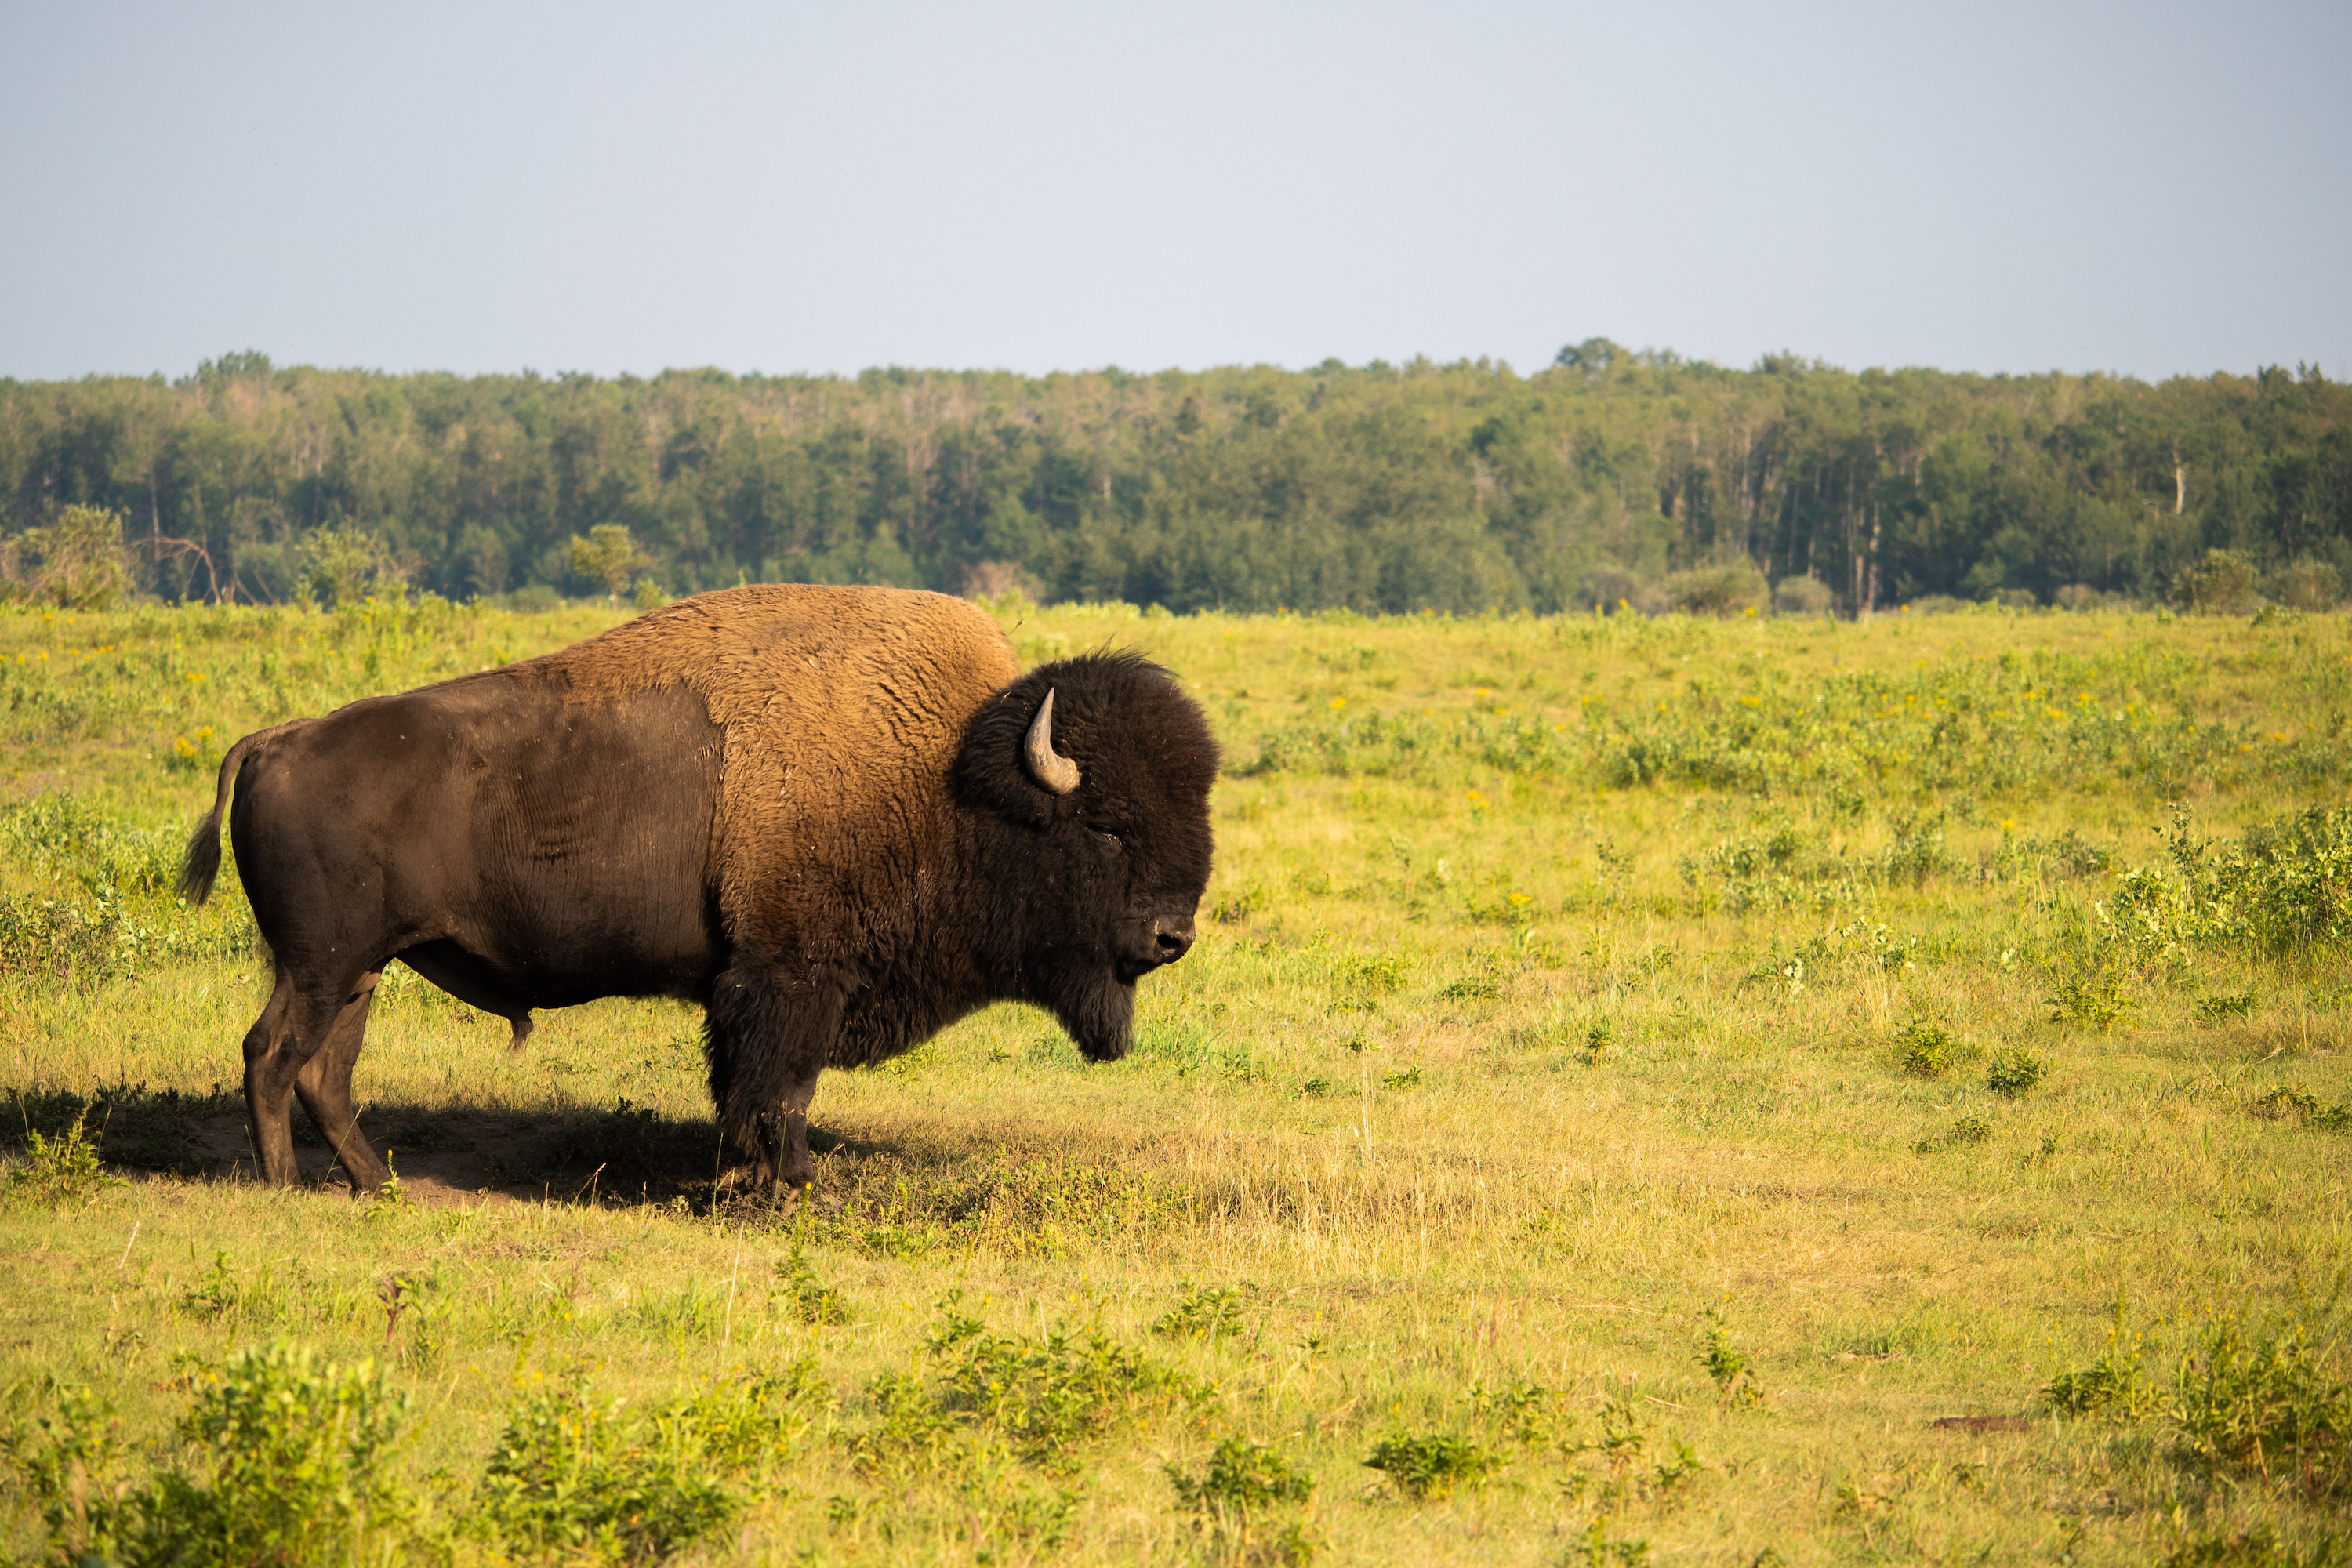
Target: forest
[{"x": 1608, "y": 477}]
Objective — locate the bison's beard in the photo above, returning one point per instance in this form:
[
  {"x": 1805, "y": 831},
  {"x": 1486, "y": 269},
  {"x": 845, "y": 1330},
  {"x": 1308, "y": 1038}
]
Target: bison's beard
[{"x": 1098, "y": 1010}]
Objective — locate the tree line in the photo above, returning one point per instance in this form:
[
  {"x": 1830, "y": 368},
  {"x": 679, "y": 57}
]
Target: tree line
[{"x": 1607, "y": 477}]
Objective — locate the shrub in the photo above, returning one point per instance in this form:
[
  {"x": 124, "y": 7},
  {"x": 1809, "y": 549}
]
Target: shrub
[
  {"x": 1433, "y": 1464},
  {"x": 1607, "y": 588},
  {"x": 607, "y": 557},
  {"x": 2265, "y": 1403},
  {"x": 2093, "y": 999},
  {"x": 68, "y": 1460},
  {"x": 2015, "y": 1072},
  {"x": 1926, "y": 1050},
  {"x": 1243, "y": 1482},
  {"x": 283, "y": 1459},
  {"x": 2223, "y": 1007},
  {"x": 1041, "y": 1397},
  {"x": 2285, "y": 886},
  {"x": 55, "y": 1170},
  {"x": 341, "y": 566},
  {"x": 1726, "y": 588},
  {"x": 2302, "y": 1104},
  {"x": 575, "y": 1475},
  {"x": 77, "y": 563},
  {"x": 1209, "y": 1313},
  {"x": 2221, "y": 584},
  {"x": 1734, "y": 1378},
  {"x": 1806, "y": 596},
  {"x": 811, "y": 1300},
  {"x": 2306, "y": 585}
]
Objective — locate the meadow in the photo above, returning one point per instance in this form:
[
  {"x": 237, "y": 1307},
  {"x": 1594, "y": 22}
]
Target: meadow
[{"x": 1768, "y": 1090}]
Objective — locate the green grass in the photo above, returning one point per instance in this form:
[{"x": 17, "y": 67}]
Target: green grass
[{"x": 1635, "y": 1080}]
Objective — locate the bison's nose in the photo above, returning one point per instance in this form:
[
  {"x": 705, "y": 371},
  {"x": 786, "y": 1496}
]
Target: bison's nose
[{"x": 1171, "y": 940}]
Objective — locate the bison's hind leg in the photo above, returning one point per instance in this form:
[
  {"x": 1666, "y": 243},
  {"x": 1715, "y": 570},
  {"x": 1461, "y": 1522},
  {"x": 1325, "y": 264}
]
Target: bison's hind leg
[
  {"x": 324, "y": 1085},
  {"x": 306, "y": 1039}
]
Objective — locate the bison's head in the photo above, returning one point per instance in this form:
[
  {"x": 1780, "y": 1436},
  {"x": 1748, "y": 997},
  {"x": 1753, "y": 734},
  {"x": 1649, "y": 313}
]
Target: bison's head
[{"x": 1091, "y": 776}]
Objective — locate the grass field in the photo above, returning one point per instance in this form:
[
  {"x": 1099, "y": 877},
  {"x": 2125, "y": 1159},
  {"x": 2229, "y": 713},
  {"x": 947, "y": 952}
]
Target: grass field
[{"x": 1743, "y": 1093}]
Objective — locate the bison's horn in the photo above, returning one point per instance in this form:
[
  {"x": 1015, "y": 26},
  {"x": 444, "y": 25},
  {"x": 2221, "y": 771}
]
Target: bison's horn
[{"x": 1051, "y": 770}]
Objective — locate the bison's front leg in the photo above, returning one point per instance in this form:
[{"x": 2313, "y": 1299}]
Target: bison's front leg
[
  {"x": 785, "y": 1160},
  {"x": 767, "y": 1042}
]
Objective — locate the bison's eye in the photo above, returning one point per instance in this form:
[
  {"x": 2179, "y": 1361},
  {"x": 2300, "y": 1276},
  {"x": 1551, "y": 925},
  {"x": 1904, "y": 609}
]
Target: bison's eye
[{"x": 1108, "y": 837}]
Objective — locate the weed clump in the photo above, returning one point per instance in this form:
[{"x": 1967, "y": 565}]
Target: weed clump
[
  {"x": 2260, "y": 1548},
  {"x": 2302, "y": 1105},
  {"x": 1965, "y": 1133},
  {"x": 284, "y": 1460},
  {"x": 1230, "y": 1500},
  {"x": 2215, "y": 1010},
  {"x": 1432, "y": 1465},
  {"x": 56, "y": 1170},
  {"x": 1529, "y": 1414},
  {"x": 1734, "y": 1377},
  {"x": 2093, "y": 999},
  {"x": 811, "y": 1300},
  {"x": 581, "y": 1477},
  {"x": 2015, "y": 1073},
  {"x": 1926, "y": 1050},
  {"x": 1040, "y": 1396},
  {"x": 1208, "y": 1312},
  {"x": 2266, "y": 1403},
  {"x": 1594, "y": 1549}
]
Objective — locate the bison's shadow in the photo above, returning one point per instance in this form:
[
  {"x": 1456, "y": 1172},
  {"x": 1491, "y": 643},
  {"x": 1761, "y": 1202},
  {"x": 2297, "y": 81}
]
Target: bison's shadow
[{"x": 619, "y": 1155}]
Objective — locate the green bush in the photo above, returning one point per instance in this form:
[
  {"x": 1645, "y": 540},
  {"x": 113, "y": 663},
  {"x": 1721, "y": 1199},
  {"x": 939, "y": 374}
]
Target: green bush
[
  {"x": 1208, "y": 1312},
  {"x": 2261, "y": 1548},
  {"x": 1803, "y": 596},
  {"x": 1042, "y": 1397},
  {"x": 579, "y": 1477},
  {"x": 56, "y": 1170},
  {"x": 77, "y": 563},
  {"x": 283, "y": 1459},
  {"x": 1925, "y": 1050},
  {"x": 1246, "y": 1481},
  {"x": 2270, "y": 1403},
  {"x": 2266, "y": 1403},
  {"x": 2015, "y": 1072},
  {"x": 2221, "y": 584},
  {"x": 1730, "y": 587},
  {"x": 2305, "y": 584},
  {"x": 1432, "y": 1465},
  {"x": 812, "y": 1300}
]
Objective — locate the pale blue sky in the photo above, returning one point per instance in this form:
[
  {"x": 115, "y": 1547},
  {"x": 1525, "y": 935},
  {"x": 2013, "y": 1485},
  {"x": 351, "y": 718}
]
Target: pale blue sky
[{"x": 2148, "y": 188}]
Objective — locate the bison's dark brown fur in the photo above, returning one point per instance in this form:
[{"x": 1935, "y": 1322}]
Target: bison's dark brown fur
[{"x": 809, "y": 809}]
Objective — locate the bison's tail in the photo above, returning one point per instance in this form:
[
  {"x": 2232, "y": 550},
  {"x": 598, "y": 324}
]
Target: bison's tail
[{"x": 204, "y": 845}]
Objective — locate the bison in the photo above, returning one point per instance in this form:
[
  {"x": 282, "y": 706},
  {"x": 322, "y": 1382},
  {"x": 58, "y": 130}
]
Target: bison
[{"x": 838, "y": 818}]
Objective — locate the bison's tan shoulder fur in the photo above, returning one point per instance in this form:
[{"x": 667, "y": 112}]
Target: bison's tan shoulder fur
[{"x": 841, "y": 710}]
